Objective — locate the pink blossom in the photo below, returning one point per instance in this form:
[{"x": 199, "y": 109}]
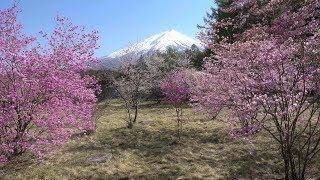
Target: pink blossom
[{"x": 43, "y": 96}]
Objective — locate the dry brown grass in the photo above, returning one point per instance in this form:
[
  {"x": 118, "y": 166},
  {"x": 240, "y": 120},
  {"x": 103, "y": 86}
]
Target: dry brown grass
[{"x": 147, "y": 152}]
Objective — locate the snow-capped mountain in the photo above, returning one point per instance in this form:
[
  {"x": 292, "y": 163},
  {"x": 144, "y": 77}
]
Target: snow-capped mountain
[{"x": 157, "y": 43}]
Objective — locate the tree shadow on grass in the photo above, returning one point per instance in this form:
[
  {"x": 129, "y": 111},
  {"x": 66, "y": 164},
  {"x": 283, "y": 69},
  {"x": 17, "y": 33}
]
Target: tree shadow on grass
[
  {"x": 149, "y": 146},
  {"x": 137, "y": 138},
  {"x": 199, "y": 147},
  {"x": 247, "y": 159}
]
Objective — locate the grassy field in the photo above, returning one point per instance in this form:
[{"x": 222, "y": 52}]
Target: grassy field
[{"x": 147, "y": 152}]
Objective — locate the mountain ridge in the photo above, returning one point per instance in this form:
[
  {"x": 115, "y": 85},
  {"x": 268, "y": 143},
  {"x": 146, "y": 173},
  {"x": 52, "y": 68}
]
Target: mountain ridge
[{"x": 157, "y": 43}]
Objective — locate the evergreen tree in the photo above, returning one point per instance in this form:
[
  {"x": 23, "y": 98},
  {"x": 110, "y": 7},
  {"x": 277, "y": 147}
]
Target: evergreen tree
[
  {"x": 218, "y": 15},
  {"x": 225, "y": 21},
  {"x": 197, "y": 56},
  {"x": 174, "y": 59}
]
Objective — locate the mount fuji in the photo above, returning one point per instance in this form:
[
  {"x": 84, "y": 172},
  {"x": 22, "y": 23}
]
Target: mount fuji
[{"x": 157, "y": 43}]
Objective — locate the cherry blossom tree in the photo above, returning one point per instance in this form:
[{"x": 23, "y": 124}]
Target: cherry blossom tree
[
  {"x": 131, "y": 80},
  {"x": 268, "y": 75},
  {"x": 135, "y": 77},
  {"x": 175, "y": 88},
  {"x": 44, "y": 94}
]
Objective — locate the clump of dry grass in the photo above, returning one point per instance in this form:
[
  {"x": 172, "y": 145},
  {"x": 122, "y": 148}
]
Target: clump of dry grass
[{"x": 146, "y": 151}]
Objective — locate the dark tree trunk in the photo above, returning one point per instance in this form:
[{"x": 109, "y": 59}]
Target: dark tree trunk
[{"x": 135, "y": 113}]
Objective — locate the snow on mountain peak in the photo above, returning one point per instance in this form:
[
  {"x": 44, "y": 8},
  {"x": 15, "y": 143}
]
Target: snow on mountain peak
[{"x": 158, "y": 43}]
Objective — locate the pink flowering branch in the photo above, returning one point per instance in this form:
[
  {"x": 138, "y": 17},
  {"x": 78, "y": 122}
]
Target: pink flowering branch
[
  {"x": 43, "y": 96},
  {"x": 176, "y": 92},
  {"x": 268, "y": 76}
]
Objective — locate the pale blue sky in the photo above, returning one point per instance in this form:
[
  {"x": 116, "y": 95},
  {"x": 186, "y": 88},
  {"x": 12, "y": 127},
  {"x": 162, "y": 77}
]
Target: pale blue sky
[{"x": 119, "y": 22}]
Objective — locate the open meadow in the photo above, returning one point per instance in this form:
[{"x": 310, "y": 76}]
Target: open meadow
[{"x": 146, "y": 151}]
